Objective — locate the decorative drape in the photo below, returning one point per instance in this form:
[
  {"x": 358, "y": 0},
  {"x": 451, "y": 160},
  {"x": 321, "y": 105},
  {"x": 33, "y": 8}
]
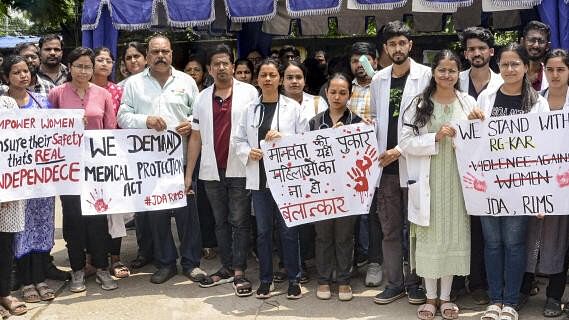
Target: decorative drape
[
  {"x": 301, "y": 8},
  {"x": 250, "y": 10},
  {"x": 555, "y": 13},
  {"x": 376, "y": 4}
]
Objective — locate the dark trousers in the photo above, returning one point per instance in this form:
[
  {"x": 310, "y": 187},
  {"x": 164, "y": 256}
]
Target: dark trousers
[
  {"x": 231, "y": 205},
  {"x": 375, "y": 251},
  {"x": 334, "y": 249},
  {"x": 114, "y": 245},
  {"x": 6, "y": 260},
  {"x": 188, "y": 227},
  {"x": 31, "y": 268},
  {"x": 84, "y": 233},
  {"x": 143, "y": 235},
  {"x": 207, "y": 221},
  {"x": 267, "y": 211},
  {"x": 391, "y": 199},
  {"x": 477, "y": 277},
  {"x": 555, "y": 286}
]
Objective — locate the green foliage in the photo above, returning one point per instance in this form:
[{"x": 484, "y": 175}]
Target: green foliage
[
  {"x": 45, "y": 15},
  {"x": 505, "y": 37}
]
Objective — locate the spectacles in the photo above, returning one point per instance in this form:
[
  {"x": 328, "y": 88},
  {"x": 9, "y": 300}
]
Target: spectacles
[
  {"x": 108, "y": 61},
  {"x": 160, "y": 51},
  {"x": 539, "y": 41},
  {"x": 451, "y": 72},
  {"x": 83, "y": 67},
  {"x": 510, "y": 64}
]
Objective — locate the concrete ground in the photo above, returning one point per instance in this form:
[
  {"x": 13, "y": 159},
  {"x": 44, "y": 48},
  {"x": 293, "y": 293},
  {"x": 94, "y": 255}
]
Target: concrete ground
[{"x": 180, "y": 298}]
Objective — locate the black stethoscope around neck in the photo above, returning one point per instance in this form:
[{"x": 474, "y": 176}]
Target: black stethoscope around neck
[
  {"x": 324, "y": 125},
  {"x": 261, "y": 108}
]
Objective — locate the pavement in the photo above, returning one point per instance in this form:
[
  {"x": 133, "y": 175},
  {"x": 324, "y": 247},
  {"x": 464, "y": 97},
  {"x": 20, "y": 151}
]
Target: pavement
[{"x": 180, "y": 298}]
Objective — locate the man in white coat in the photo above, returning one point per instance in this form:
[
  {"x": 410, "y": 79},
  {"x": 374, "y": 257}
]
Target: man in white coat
[
  {"x": 216, "y": 115},
  {"x": 478, "y": 44},
  {"x": 392, "y": 90}
]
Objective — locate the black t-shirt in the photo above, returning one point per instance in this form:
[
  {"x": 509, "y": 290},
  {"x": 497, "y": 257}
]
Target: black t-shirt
[
  {"x": 472, "y": 90},
  {"x": 505, "y": 105},
  {"x": 395, "y": 94},
  {"x": 268, "y": 112}
]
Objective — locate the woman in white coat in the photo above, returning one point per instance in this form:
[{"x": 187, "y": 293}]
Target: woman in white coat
[
  {"x": 505, "y": 236},
  {"x": 440, "y": 229},
  {"x": 273, "y": 117}
]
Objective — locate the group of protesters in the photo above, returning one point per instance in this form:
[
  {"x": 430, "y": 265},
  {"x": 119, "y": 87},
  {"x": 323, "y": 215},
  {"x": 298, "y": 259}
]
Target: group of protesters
[{"x": 225, "y": 107}]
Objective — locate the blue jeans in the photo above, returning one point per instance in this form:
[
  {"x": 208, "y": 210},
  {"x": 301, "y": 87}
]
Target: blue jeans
[
  {"x": 188, "y": 226},
  {"x": 266, "y": 211},
  {"x": 505, "y": 256},
  {"x": 231, "y": 207}
]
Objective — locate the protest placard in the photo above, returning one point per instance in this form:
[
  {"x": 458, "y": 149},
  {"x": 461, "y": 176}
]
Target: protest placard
[
  {"x": 132, "y": 170},
  {"x": 515, "y": 165},
  {"x": 323, "y": 174},
  {"x": 40, "y": 153}
]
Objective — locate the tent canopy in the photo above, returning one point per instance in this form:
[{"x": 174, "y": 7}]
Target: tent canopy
[{"x": 9, "y": 42}]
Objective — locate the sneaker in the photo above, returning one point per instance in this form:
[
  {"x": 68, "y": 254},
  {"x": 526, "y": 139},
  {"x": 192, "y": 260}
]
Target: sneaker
[
  {"x": 294, "y": 291},
  {"x": 105, "y": 280},
  {"x": 264, "y": 291},
  {"x": 323, "y": 292},
  {"x": 389, "y": 295},
  {"x": 361, "y": 261},
  {"x": 345, "y": 292},
  {"x": 416, "y": 295},
  {"x": 195, "y": 274},
  {"x": 77, "y": 281},
  {"x": 374, "y": 275},
  {"x": 480, "y": 297}
]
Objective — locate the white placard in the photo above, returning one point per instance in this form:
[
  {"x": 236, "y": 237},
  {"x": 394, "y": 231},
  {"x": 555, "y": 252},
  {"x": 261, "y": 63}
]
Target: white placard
[
  {"x": 515, "y": 165},
  {"x": 132, "y": 170},
  {"x": 40, "y": 153},
  {"x": 323, "y": 174}
]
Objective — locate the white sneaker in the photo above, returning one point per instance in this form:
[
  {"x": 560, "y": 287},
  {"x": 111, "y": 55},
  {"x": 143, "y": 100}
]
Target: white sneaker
[
  {"x": 105, "y": 280},
  {"x": 77, "y": 281},
  {"x": 374, "y": 275}
]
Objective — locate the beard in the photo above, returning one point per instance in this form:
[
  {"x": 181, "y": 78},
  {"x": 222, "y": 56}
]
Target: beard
[
  {"x": 400, "y": 59},
  {"x": 477, "y": 64}
]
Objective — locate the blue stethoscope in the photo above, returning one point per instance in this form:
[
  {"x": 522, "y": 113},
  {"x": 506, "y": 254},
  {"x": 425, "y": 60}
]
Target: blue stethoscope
[
  {"x": 262, "y": 108},
  {"x": 324, "y": 125}
]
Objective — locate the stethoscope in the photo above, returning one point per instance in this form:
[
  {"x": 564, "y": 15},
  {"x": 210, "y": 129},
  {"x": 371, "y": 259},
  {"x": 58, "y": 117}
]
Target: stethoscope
[
  {"x": 262, "y": 108},
  {"x": 324, "y": 125}
]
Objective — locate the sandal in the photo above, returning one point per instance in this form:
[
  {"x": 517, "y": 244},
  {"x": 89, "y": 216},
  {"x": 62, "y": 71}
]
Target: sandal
[
  {"x": 509, "y": 313},
  {"x": 15, "y": 307},
  {"x": 45, "y": 292},
  {"x": 220, "y": 277},
  {"x": 242, "y": 286},
  {"x": 30, "y": 294},
  {"x": 552, "y": 308},
  {"x": 449, "y": 310},
  {"x": 492, "y": 312},
  {"x": 4, "y": 314},
  {"x": 119, "y": 270},
  {"x": 427, "y": 311}
]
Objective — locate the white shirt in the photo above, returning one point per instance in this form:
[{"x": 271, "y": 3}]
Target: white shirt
[
  {"x": 243, "y": 95},
  {"x": 464, "y": 80},
  {"x": 310, "y": 107}
]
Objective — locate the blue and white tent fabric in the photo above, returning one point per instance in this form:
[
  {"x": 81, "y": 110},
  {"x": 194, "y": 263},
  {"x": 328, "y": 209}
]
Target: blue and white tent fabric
[
  {"x": 376, "y": 4},
  {"x": 250, "y": 10},
  {"x": 301, "y": 8}
]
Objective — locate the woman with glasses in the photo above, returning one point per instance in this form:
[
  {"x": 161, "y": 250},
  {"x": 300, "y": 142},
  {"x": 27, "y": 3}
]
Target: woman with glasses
[
  {"x": 334, "y": 243},
  {"x": 85, "y": 233},
  {"x": 440, "y": 245},
  {"x": 196, "y": 68},
  {"x": 272, "y": 117},
  {"x": 548, "y": 237},
  {"x": 505, "y": 236},
  {"x": 33, "y": 245}
]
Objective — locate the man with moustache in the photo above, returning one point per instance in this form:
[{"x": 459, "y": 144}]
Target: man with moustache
[
  {"x": 536, "y": 41},
  {"x": 478, "y": 44},
  {"x": 51, "y": 53},
  {"x": 392, "y": 91},
  {"x": 216, "y": 114},
  {"x": 30, "y": 53},
  {"x": 157, "y": 98}
]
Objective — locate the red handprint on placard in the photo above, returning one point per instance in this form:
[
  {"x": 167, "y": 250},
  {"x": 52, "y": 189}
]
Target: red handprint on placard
[
  {"x": 473, "y": 182},
  {"x": 359, "y": 172},
  {"x": 99, "y": 201},
  {"x": 563, "y": 179},
  {"x": 360, "y": 179},
  {"x": 364, "y": 164}
]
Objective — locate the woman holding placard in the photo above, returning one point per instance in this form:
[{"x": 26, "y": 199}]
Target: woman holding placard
[
  {"x": 505, "y": 236},
  {"x": 33, "y": 245},
  {"x": 335, "y": 237},
  {"x": 12, "y": 220},
  {"x": 273, "y": 116},
  {"x": 85, "y": 232},
  {"x": 440, "y": 242},
  {"x": 548, "y": 237}
]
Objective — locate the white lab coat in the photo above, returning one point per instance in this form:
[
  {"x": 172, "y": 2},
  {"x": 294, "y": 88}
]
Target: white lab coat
[
  {"x": 288, "y": 119},
  {"x": 464, "y": 80},
  {"x": 418, "y": 149},
  {"x": 545, "y": 94},
  {"x": 417, "y": 81},
  {"x": 243, "y": 95},
  {"x": 311, "y": 108}
]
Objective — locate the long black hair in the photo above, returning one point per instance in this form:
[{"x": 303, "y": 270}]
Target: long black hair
[
  {"x": 529, "y": 95},
  {"x": 425, "y": 112}
]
